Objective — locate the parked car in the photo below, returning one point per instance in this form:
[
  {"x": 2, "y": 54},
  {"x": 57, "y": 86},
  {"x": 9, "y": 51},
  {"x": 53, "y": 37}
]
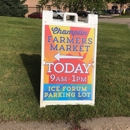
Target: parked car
[
  {"x": 58, "y": 14},
  {"x": 37, "y": 15},
  {"x": 128, "y": 10},
  {"x": 97, "y": 12},
  {"x": 82, "y": 13},
  {"x": 117, "y": 11},
  {"x": 109, "y": 11}
]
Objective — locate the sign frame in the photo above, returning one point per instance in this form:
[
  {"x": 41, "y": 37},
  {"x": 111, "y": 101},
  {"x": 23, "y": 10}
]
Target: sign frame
[{"x": 91, "y": 22}]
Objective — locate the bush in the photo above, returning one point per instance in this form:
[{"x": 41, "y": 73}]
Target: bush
[{"x": 14, "y": 8}]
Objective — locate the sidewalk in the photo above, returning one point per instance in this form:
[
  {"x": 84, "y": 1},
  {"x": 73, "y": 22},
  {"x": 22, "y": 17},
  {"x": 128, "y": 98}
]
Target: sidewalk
[
  {"x": 105, "y": 16},
  {"x": 108, "y": 16},
  {"x": 106, "y": 123}
]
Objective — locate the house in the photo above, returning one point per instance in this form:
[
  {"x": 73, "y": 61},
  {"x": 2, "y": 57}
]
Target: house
[{"x": 34, "y": 6}]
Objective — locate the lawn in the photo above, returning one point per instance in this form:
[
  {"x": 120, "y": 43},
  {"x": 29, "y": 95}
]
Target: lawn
[{"x": 20, "y": 54}]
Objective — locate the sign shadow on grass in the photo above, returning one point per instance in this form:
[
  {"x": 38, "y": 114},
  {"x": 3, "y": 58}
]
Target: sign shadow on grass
[{"x": 32, "y": 64}]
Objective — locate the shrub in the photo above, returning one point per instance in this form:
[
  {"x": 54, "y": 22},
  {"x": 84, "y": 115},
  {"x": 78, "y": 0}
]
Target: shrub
[{"x": 14, "y": 8}]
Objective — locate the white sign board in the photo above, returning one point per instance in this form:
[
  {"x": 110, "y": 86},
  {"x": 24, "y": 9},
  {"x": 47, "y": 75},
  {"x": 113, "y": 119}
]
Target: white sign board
[{"x": 68, "y": 60}]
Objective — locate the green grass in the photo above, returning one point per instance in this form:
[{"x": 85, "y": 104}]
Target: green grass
[{"x": 20, "y": 48}]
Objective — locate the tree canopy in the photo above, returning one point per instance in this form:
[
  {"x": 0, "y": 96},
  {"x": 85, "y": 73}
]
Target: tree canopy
[
  {"x": 14, "y": 8},
  {"x": 75, "y": 5}
]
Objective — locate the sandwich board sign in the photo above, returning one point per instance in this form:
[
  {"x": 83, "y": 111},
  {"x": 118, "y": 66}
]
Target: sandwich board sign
[{"x": 68, "y": 60}]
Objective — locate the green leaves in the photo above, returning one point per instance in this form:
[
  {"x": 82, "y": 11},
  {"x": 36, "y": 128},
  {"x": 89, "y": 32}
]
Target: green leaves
[
  {"x": 75, "y": 5},
  {"x": 14, "y": 8}
]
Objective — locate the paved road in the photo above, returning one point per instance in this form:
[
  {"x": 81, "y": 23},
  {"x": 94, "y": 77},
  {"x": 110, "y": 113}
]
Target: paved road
[
  {"x": 109, "y": 19},
  {"x": 115, "y": 20}
]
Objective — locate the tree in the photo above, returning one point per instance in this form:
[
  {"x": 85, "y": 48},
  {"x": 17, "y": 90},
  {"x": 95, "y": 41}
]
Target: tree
[
  {"x": 75, "y": 5},
  {"x": 14, "y": 8}
]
